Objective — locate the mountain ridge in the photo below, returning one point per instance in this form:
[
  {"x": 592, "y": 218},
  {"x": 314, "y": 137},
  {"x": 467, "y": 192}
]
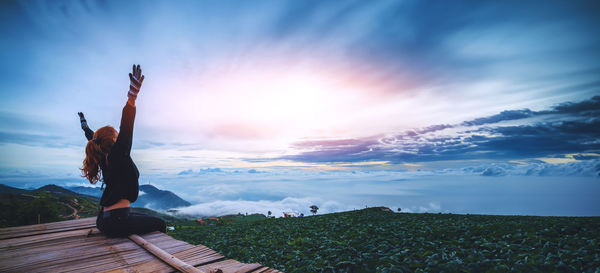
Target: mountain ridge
[{"x": 150, "y": 197}]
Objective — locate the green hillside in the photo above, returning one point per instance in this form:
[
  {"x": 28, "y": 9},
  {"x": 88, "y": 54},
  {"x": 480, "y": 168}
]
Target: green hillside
[
  {"x": 51, "y": 203},
  {"x": 372, "y": 240}
]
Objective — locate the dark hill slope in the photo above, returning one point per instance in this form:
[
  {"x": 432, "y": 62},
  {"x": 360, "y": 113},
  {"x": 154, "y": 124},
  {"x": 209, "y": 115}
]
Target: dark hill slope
[
  {"x": 10, "y": 190},
  {"x": 55, "y": 189}
]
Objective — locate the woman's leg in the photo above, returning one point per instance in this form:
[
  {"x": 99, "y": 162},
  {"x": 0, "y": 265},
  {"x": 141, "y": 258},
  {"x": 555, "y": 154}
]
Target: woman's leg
[
  {"x": 122, "y": 222},
  {"x": 138, "y": 223}
]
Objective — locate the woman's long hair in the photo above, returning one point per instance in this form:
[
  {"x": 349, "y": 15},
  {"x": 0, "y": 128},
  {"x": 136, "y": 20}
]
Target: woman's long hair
[{"x": 96, "y": 151}]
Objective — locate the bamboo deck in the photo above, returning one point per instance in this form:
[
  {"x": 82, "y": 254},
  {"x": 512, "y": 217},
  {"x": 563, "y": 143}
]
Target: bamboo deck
[{"x": 77, "y": 246}]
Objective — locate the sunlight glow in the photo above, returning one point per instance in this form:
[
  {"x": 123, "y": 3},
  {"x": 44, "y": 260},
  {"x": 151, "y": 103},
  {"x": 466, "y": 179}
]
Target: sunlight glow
[{"x": 275, "y": 102}]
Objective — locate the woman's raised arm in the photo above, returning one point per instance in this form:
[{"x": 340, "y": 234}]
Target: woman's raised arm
[
  {"x": 89, "y": 134},
  {"x": 124, "y": 140}
]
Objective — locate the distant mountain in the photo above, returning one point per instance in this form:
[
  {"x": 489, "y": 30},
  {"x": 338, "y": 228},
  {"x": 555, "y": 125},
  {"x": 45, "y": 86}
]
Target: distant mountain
[
  {"x": 92, "y": 191},
  {"x": 159, "y": 199},
  {"x": 151, "y": 197},
  {"x": 10, "y": 190},
  {"x": 55, "y": 189}
]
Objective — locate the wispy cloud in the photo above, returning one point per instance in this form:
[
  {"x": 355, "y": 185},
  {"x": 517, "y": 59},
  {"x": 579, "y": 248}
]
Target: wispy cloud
[
  {"x": 566, "y": 128},
  {"x": 589, "y": 168},
  {"x": 277, "y": 208}
]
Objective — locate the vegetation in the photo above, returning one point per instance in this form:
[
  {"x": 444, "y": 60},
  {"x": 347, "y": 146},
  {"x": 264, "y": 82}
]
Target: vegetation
[
  {"x": 51, "y": 203},
  {"x": 16, "y": 211},
  {"x": 372, "y": 240}
]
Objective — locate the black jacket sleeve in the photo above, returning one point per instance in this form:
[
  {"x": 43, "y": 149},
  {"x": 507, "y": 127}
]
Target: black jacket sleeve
[
  {"x": 120, "y": 174},
  {"x": 124, "y": 140},
  {"x": 89, "y": 134}
]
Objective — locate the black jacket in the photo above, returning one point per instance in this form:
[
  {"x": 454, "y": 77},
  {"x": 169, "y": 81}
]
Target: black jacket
[{"x": 120, "y": 173}]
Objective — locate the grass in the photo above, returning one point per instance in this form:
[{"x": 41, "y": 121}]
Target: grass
[{"x": 372, "y": 240}]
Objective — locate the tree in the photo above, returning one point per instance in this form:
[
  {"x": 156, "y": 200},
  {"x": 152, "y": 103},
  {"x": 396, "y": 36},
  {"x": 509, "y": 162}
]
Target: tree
[
  {"x": 46, "y": 206},
  {"x": 314, "y": 209},
  {"x": 269, "y": 213},
  {"x": 399, "y": 209}
]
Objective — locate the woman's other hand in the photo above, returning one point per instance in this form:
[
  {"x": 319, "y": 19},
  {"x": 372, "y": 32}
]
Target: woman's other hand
[{"x": 82, "y": 120}]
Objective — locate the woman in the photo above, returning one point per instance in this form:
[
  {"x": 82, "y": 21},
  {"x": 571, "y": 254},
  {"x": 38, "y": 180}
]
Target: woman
[{"x": 108, "y": 155}]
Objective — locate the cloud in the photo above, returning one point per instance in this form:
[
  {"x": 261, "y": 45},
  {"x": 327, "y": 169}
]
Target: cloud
[
  {"x": 541, "y": 139},
  {"x": 39, "y": 140},
  {"x": 493, "y": 171},
  {"x": 587, "y": 107},
  {"x": 505, "y": 115},
  {"x": 334, "y": 150},
  {"x": 581, "y": 168},
  {"x": 564, "y": 129},
  {"x": 585, "y": 156},
  {"x": 300, "y": 205},
  {"x": 200, "y": 171}
]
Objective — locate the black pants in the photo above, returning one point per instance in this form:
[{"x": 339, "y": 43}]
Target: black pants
[{"x": 122, "y": 222}]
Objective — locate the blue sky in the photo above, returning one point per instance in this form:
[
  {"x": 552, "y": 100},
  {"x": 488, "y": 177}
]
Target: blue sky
[{"x": 455, "y": 107}]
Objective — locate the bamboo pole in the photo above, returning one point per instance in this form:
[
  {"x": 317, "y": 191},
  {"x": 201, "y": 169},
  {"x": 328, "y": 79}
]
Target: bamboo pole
[{"x": 166, "y": 257}]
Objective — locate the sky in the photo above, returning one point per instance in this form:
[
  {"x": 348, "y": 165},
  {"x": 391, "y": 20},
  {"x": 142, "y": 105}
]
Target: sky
[{"x": 250, "y": 106}]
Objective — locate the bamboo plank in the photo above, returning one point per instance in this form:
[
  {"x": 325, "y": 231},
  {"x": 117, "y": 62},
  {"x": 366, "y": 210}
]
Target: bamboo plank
[
  {"x": 57, "y": 241},
  {"x": 51, "y": 225},
  {"x": 57, "y": 258},
  {"x": 174, "y": 246},
  {"x": 28, "y": 232},
  {"x": 18, "y": 236},
  {"x": 83, "y": 265},
  {"x": 126, "y": 260},
  {"x": 38, "y": 232},
  {"x": 197, "y": 251},
  {"x": 47, "y": 226},
  {"x": 92, "y": 265},
  {"x": 261, "y": 270},
  {"x": 116, "y": 259},
  {"x": 8, "y": 243},
  {"x": 271, "y": 270},
  {"x": 195, "y": 256},
  {"x": 87, "y": 253},
  {"x": 247, "y": 268},
  {"x": 45, "y": 246},
  {"x": 77, "y": 246},
  {"x": 156, "y": 266},
  {"x": 66, "y": 255},
  {"x": 165, "y": 256},
  {"x": 231, "y": 266}
]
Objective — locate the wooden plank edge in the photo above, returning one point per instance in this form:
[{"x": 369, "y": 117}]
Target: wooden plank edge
[{"x": 168, "y": 258}]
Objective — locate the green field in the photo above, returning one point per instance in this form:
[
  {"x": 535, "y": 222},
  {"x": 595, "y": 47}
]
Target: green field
[{"x": 372, "y": 240}]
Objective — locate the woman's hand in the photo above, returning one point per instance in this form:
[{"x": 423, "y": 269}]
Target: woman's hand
[
  {"x": 135, "y": 83},
  {"x": 82, "y": 120}
]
